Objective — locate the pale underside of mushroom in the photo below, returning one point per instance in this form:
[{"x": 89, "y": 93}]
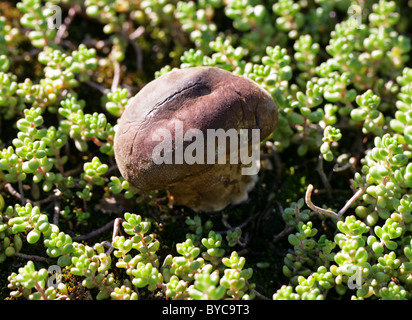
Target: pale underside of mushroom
[{"x": 215, "y": 189}]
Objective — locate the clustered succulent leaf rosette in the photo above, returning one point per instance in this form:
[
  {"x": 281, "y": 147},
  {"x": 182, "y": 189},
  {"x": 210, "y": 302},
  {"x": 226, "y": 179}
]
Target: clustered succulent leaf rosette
[
  {"x": 199, "y": 271},
  {"x": 339, "y": 74}
]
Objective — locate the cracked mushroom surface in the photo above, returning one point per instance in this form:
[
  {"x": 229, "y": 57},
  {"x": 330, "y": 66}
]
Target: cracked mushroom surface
[{"x": 183, "y": 100}]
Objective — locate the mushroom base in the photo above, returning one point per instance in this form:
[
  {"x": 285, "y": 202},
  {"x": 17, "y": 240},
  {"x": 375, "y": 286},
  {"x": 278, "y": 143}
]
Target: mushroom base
[{"x": 214, "y": 189}]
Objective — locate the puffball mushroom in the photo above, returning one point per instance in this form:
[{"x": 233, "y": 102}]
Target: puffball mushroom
[{"x": 190, "y": 115}]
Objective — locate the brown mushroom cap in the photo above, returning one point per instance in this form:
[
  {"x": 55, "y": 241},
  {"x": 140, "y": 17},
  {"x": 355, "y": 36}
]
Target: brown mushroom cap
[{"x": 199, "y": 98}]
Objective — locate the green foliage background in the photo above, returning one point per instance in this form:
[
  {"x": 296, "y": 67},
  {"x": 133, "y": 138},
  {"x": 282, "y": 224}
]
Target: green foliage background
[{"x": 340, "y": 74}]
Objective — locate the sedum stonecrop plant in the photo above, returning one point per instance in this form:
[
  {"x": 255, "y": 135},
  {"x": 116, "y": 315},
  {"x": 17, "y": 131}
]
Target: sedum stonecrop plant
[{"x": 71, "y": 227}]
